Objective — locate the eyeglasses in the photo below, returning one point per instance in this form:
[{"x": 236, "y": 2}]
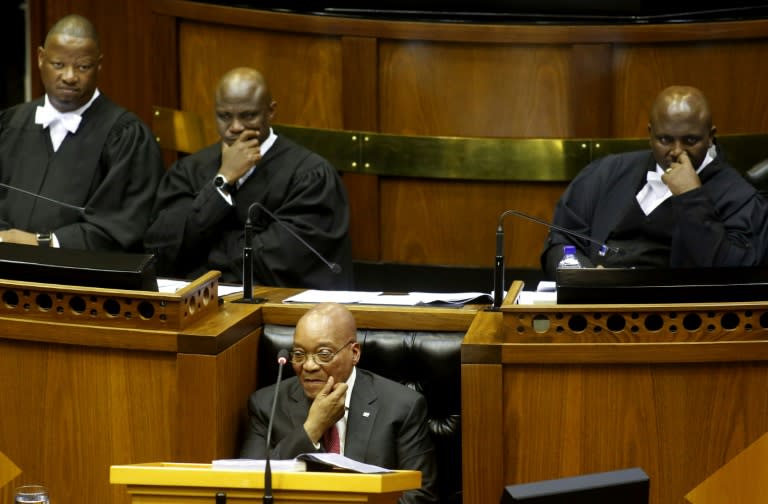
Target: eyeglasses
[{"x": 324, "y": 356}]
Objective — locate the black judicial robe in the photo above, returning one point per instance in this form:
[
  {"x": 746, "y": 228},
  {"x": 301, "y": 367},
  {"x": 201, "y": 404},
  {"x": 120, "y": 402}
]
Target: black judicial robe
[
  {"x": 720, "y": 224},
  {"x": 111, "y": 166},
  {"x": 195, "y": 230}
]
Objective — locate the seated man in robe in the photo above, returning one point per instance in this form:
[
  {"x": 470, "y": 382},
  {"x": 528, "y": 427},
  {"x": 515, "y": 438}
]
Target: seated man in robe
[
  {"x": 82, "y": 170},
  {"x": 205, "y": 199},
  {"x": 679, "y": 204}
]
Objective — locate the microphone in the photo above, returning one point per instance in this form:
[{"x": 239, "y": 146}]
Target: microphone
[
  {"x": 46, "y": 198},
  {"x": 498, "y": 269},
  {"x": 248, "y": 252},
  {"x": 282, "y": 359}
]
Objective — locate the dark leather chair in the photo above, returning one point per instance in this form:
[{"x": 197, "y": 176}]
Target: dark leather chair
[
  {"x": 758, "y": 176},
  {"x": 429, "y": 362}
]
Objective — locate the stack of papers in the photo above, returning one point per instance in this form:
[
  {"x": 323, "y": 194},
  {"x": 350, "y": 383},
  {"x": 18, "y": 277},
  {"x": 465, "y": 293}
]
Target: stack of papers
[
  {"x": 292, "y": 465},
  {"x": 333, "y": 461},
  {"x": 379, "y": 298},
  {"x": 304, "y": 462},
  {"x": 546, "y": 293}
]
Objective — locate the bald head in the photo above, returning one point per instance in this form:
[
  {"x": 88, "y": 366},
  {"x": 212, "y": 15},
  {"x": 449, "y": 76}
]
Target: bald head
[
  {"x": 333, "y": 316},
  {"x": 69, "y": 63},
  {"x": 328, "y": 329},
  {"x": 680, "y": 121},
  {"x": 74, "y": 26},
  {"x": 681, "y": 102},
  {"x": 242, "y": 82},
  {"x": 243, "y": 103}
]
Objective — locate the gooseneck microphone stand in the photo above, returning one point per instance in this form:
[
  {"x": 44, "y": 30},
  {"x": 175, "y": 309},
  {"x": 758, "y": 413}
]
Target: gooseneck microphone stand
[{"x": 498, "y": 267}]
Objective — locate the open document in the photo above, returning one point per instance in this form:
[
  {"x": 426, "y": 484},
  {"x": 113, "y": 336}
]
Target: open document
[
  {"x": 304, "y": 462},
  {"x": 334, "y": 461},
  {"x": 379, "y": 298}
]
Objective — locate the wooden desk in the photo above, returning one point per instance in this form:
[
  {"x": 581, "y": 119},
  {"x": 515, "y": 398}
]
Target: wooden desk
[
  {"x": 675, "y": 389},
  {"x": 169, "y": 483},
  {"x": 95, "y": 377}
]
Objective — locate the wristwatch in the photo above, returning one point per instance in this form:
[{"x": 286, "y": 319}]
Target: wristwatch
[
  {"x": 43, "y": 239},
  {"x": 221, "y": 182}
]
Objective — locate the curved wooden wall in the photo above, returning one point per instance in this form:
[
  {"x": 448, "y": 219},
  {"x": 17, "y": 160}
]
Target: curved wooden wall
[{"x": 416, "y": 78}]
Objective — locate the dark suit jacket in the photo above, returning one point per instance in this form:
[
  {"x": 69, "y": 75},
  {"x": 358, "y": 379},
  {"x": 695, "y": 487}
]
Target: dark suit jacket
[{"x": 386, "y": 426}]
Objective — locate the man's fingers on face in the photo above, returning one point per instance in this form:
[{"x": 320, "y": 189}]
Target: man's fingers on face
[
  {"x": 328, "y": 387},
  {"x": 339, "y": 390},
  {"x": 248, "y": 135}
]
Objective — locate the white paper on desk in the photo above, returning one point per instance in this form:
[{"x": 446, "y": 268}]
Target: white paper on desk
[
  {"x": 170, "y": 286},
  {"x": 292, "y": 465},
  {"x": 546, "y": 286},
  {"x": 531, "y": 298},
  {"x": 452, "y": 297},
  {"x": 334, "y": 460},
  {"x": 426, "y": 298},
  {"x": 324, "y": 296}
]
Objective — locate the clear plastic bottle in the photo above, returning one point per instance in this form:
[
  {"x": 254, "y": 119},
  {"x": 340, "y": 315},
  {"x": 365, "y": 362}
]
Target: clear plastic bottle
[{"x": 569, "y": 260}]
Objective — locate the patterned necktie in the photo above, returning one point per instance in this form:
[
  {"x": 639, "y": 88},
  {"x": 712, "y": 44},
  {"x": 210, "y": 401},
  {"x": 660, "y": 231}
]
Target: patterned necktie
[{"x": 331, "y": 442}]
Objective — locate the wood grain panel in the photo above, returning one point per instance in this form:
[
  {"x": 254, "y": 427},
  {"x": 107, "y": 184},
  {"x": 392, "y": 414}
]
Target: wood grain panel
[
  {"x": 364, "y": 205},
  {"x": 678, "y": 422},
  {"x": 483, "y": 447},
  {"x": 360, "y": 83},
  {"x": 85, "y": 409},
  {"x": 454, "y": 222},
  {"x": 729, "y": 73},
  {"x": 304, "y": 72},
  {"x": 474, "y": 90},
  {"x": 212, "y": 398},
  {"x": 593, "y": 64}
]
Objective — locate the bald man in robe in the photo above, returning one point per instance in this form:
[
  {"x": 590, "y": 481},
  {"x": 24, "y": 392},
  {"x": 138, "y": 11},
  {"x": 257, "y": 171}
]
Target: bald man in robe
[
  {"x": 97, "y": 161},
  {"x": 677, "y": 205},
  {"x": 203, "y": 201}
]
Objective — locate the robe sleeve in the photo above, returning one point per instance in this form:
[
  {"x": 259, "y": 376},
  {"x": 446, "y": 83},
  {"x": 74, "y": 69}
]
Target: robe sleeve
[
  {"x": 195, "y": 229},
  {"x": 187, "y": 217},
  {"x": 315, "y": 210},
  {"x": 117, "y": 214},
  {"x": 726, "y": 234}
]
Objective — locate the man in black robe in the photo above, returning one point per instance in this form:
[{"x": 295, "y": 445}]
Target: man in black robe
[
  {"x": 204, "y": 201},
  {"x": 678, "y": 205},
  {"x": 99, "y": 163}
]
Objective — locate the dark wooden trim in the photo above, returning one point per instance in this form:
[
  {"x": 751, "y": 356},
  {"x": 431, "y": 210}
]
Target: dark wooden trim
[{"x": 492, "y": 33}]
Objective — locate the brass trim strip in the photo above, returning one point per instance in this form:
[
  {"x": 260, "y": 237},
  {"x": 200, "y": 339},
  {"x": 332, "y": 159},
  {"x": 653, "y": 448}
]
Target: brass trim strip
[{"x": 487, "y": 159}]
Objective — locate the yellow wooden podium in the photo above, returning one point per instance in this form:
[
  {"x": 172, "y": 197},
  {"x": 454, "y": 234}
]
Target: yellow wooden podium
[
  {"x": 743, "y": 480},
  {"x": 167, "y": 483}
]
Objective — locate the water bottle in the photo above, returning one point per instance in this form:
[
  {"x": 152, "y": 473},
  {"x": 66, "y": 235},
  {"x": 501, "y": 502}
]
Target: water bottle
[{"x": 569, "y": 260}]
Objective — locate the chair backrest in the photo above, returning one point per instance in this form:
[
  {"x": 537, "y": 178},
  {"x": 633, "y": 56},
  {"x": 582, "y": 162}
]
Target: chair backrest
[
  {"x": 429, "y": 362},
  {"x": 758, "y": 176},
  {"x": 178, "y": 130}
]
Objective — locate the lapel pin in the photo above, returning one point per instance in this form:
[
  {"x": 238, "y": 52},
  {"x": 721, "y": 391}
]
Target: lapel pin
[{"x": 366, "y": 414}]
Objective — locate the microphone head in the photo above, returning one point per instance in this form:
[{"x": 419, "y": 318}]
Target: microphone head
[
  {"x": 335, "y": 268},
  {"x": 282, "y": 356}
]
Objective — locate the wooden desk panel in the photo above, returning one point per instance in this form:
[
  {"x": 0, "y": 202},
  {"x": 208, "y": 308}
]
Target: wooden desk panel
[
  {"x": 678, "y": 409},
  {"x": 79, "y": 397}
]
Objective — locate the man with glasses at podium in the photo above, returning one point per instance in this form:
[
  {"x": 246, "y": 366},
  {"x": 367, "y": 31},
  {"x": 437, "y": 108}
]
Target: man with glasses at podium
[{"x": 333, "y": 406}]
